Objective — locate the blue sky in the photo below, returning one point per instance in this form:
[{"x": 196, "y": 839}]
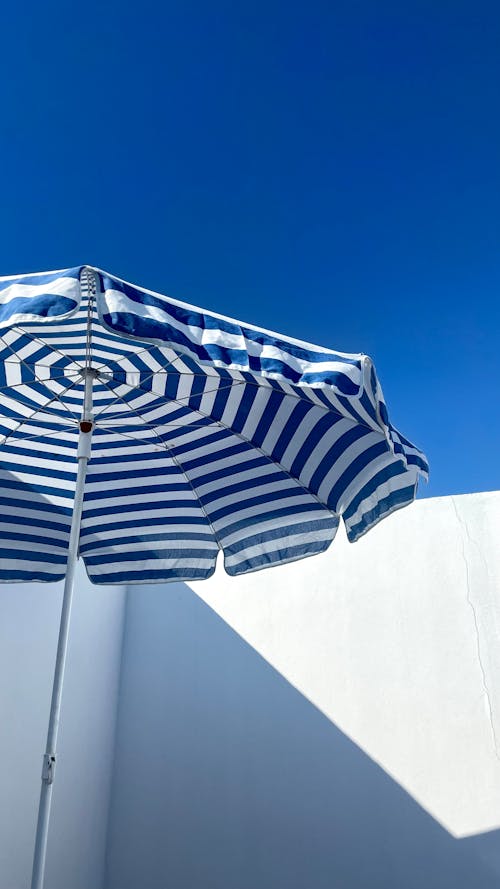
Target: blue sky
[{"x": 328, "y": 170}]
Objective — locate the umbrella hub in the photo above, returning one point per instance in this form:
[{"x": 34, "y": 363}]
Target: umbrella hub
[
  {"x": 103, "y": 373},
  {"x": 90, "y": 372}
]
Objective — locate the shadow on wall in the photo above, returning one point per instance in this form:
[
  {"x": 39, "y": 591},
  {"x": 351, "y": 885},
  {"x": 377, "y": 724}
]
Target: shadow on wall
[{"x": 226, "y": 777}]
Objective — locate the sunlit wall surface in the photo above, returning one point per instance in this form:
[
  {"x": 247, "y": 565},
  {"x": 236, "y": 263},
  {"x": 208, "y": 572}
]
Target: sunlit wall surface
[{"x": 330, "y": 723}]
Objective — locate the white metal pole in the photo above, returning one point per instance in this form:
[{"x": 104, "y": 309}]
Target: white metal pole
[{"x": 49, "y": 759}]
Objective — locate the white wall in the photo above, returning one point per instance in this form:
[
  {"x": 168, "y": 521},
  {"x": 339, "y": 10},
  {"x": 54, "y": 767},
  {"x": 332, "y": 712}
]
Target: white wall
[
  {"x": 28, "y": 638},
  {"x": 331, "y": 723}
]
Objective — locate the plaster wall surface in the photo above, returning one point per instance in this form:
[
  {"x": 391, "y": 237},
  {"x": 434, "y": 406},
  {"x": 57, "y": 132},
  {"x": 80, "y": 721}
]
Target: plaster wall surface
[
  {"x": 333, "y": 722},
  {"x": 28, "y": 639}
]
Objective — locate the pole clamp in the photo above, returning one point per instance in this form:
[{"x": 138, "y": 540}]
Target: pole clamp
[{"x": 48, "y": 768}]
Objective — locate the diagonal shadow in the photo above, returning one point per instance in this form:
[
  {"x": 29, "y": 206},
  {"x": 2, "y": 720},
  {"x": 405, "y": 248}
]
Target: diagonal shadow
[{"x": 226, "y": 777}]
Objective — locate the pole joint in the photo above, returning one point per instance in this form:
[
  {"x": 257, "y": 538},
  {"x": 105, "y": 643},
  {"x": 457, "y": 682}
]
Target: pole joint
[{"x": 48, "y": 768}]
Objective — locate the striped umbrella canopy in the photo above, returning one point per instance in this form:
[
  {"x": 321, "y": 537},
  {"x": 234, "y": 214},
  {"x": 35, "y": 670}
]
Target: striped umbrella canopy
[
  {"x": 207, "y": 434},
  {"x": 145, "y": 435}
]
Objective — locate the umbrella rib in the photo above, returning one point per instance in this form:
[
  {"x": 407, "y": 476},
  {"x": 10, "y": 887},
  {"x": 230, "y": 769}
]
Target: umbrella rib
[
  {"x": 145, "y": 377},
  {"x": 30, "y": 417},
  {"x": 23, "y": 423},
  {"x": 38, "y": 380},
  {"x": 136, "y": 412},
  {"x": 115, "y": 431},
  {"x": 184, "y": 473},
  {"x": 166, "y": 448},
  {"x": 31, "y": 364},
  {"x": 170, "y": 361},
  {"x": 166, "y": 425},
  {"x": 181, "y": 373},
  {"x": 116, "y": 399},
  {"x": 44, "y": 382},
  {"x": 40, "y": 435},
  {"x": 56, "y": 397},
  {"x": 248, "y": 441},
  {"x": 36, "y": 339},
  {"x": 131, "y": 355},
  {"x": 302, "y": 397},
  {"x": 188, "y": 373},
  {"x": 331, "y": 408},
  {"x": 234, "y": 383},
  {"x": 205, "y": 375},
  {"x": 195, "y": 495},
  {"x": 160, "y": 398},
  {"x": 27, "y": 365},
  {"x": 53, "y": 420}
]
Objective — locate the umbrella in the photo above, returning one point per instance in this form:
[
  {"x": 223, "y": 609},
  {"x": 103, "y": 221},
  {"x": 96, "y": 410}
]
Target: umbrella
[{"x": 144, "y": 435}]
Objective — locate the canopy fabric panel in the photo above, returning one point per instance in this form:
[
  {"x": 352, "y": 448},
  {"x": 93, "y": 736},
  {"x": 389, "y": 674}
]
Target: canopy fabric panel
[
  {"x": 209, "y": 434},
  {"x": 44, "y": 295}
]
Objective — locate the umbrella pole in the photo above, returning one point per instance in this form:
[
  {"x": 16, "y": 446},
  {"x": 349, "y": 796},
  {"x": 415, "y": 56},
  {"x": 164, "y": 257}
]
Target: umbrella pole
[{"x": 49, "y": 759}]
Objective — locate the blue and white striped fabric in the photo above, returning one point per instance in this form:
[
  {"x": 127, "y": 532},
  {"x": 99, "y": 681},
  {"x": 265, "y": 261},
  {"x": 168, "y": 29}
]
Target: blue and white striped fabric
[
  {"x": 44, "y": 295},
  {"x": 209, "y": 434}
]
